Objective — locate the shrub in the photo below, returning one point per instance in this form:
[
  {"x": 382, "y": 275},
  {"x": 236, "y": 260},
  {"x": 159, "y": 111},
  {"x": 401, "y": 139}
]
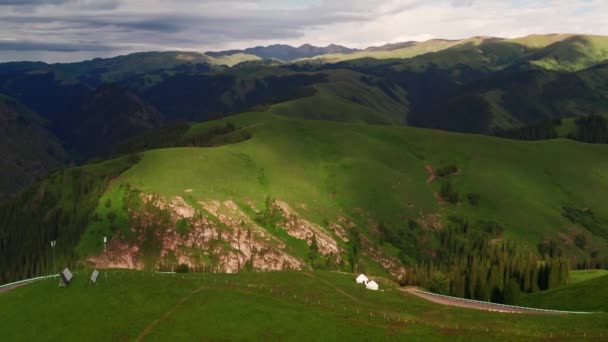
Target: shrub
[
  {"x": 512, "y": 292},
  {"x": 108, "y": 203},
  {"x": 446, "y": 171},
  {"x": 182, "y": 227},
  {"x": 439, "y": 283},
  {"x": 111, "y": 216},
  {"x": 580, "y": 241},
  {"x": 272, "y": 216},
  {"x": 474, "y": 199},
  {"x": 182, "y": 268},
  {"x": 448, "y": 193}
]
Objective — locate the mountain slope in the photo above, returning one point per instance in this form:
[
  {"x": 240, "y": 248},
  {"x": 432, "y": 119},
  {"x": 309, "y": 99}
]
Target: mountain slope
[
  {"x": 120, "y": 68},
  {"x": 109, "y": 115},
  {"x": 573, "y": 53},
  {"x": 389, "y": 51},
  {"x": 349, "y": 97},
  {"x": 564, "y": 52},
  {"x": 326, "y": 179},
  {"x": 29, "y": 150},
  {"x": 588, "y": 295},
  {"x": 284, "y": 52}
]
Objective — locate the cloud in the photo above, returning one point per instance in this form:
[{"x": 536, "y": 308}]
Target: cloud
[
  {"x": 121, "y": 26},
  {"x": 54, "y": 47},
  {"x": 30, "y": 2}
]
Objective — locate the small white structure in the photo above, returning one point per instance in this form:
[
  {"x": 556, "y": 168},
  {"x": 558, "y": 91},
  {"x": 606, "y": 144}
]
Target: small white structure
[
  {"x": 362, "y": 279},
  {"x": 371, "y": 285}
]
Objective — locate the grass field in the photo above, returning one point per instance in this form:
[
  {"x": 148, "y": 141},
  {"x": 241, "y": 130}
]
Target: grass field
[
  {"x": 586, "y": 291},
  {"x": 337, "y": 169},
  {"x": 130, "y": 305},
  {"x": 584, "y": 275}
]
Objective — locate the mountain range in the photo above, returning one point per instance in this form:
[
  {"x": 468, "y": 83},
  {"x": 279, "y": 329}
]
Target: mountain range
[
  {"x": 281, "y": 157},
  {"x": 285, "y": 52}
]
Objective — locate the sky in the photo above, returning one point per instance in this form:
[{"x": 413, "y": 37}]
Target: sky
[{"x": 74, "y": 30}]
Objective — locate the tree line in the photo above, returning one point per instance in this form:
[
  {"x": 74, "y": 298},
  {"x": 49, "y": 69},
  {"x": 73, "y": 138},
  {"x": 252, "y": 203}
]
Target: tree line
[
  {"x": 473, "y": 262},
  {"x": 591, "y": 129},
  {"x": 57, "y": 208}
]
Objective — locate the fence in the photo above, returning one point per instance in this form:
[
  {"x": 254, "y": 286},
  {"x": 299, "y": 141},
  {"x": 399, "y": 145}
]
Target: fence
[
  {"x": 360, "y": 311},
  {"x": 522, "y": 308},
  {"x": 28, "y": 280}
]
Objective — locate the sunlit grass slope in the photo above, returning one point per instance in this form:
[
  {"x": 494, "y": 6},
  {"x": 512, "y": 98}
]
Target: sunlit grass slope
[
  {"x": 586, "y": 293},
  {"x": 339, "y": 169}
]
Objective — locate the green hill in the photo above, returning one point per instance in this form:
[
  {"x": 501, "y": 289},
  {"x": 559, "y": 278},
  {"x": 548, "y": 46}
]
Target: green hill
[
  {"x": 564, "y": 52},
  {"x": 119, "y": 68},
  {"x": 349, "y": 97},
  {"x": 328, "y": 180},
  {"x": 586, "y": 293},
  {"x": 283, "y": 52},
  {"x": 389, "y": 51},
  {"x": 257, "y": 306}
]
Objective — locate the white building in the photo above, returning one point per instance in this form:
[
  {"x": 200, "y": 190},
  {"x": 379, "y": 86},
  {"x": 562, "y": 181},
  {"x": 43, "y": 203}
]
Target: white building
[
  {"x": 362, "y": 279},
  {"x": 371, "y": 285}
]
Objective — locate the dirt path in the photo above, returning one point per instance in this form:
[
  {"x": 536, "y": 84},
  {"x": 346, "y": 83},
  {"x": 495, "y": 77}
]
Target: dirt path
[
  {"x": 339, "y": 290},
  {"x": 432, "y": 177},
  {"x": 473, "y": 305},
  {"x": 148, "y": 329}
]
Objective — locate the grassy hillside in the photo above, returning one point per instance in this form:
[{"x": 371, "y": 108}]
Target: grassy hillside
[
  {"x": 252, "y": 306},
  {"x": 350, "y": 97},
  {"x": 584, "y": 275},
  {"x": 118, "y": 68},
  {"x": 59, "y": 207},
  {"x": 335, "y": 176},
  {"x": 283, "y": 52},
  {"x": 587, "y": 292},
  {"x": 382, "y": 169},
  {"x": 390, "y": 51},
  {"x": 564, "y": 52},
  {"x": 573, "y": 53},
  {"x": 376, "y": 174}
]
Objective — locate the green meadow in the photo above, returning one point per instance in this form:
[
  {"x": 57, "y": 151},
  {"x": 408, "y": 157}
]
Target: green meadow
[
  {"x": 142, "y": 306},
  {"x": 586, "y": 292}
]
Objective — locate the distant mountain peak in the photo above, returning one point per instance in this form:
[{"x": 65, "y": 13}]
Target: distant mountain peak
[{"x": 285, "y": 52}]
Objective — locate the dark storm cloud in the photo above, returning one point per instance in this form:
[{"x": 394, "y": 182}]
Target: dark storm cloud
[{"x": 59, "y": 47}]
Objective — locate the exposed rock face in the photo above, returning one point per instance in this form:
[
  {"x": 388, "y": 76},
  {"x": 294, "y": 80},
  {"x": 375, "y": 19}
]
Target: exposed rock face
[
  {"x": 119, "y": 255},
  {"x": 305, "y": 230},
  {"x": 341, "y": 228},
  {"x": 222, "y": 238},
  {"x": 392, "y": 265}
]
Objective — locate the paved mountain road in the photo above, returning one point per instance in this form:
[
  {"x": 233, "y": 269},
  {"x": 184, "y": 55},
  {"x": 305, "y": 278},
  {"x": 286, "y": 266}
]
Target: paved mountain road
[{"x": 464, "y": 303}]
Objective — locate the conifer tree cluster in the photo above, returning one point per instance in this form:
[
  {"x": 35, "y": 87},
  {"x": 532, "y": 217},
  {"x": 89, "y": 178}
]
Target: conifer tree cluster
[
  {"x": 473, "y": 262},
  {"x": 59, "y": 209}
]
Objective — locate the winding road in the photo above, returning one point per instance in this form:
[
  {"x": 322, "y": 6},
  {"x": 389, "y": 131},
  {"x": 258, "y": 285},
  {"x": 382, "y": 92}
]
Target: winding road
[{"x": 472, "y": 304}]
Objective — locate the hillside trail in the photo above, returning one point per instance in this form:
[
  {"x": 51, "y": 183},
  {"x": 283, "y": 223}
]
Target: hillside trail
[
  {"x": 148, "y": 329},
  {"x": 339, "y": 290},
  {"x": 461, "y": 303}
]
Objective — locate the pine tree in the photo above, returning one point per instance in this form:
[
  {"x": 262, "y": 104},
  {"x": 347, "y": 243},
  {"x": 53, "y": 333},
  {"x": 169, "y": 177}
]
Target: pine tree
[{"x": 512, "y": 292}]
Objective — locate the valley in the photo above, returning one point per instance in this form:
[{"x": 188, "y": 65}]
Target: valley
[{"x": 236, "y": 194}]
